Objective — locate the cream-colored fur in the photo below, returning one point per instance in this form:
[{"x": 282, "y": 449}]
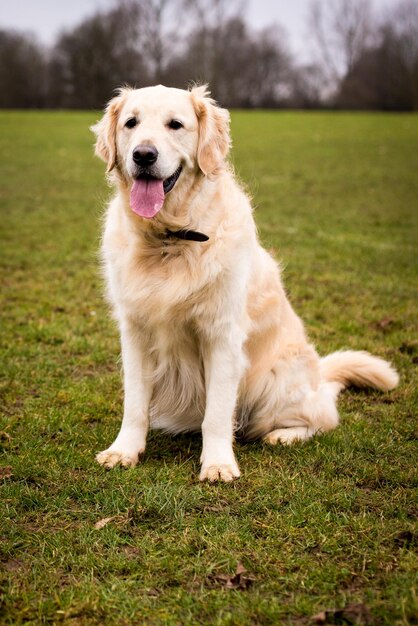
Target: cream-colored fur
[{"x": 209, "y": 339}]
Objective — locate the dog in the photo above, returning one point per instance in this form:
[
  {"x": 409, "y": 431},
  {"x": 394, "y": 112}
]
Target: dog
[{"x": 209, "y": 339}]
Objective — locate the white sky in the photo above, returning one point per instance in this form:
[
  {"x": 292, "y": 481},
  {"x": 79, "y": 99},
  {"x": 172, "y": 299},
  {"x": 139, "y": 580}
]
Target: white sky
[{"x": 46, "y": 18}]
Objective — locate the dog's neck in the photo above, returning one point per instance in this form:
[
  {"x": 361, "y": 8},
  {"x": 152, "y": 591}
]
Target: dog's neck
[{"x": 187, "y": 235}]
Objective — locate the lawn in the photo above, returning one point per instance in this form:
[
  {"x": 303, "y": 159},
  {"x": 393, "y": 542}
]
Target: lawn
[{"x": 326, "y": 526}]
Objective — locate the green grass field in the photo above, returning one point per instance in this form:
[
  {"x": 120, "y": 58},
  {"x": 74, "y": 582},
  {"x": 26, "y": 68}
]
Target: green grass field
[{"x": 319, "y": 526}]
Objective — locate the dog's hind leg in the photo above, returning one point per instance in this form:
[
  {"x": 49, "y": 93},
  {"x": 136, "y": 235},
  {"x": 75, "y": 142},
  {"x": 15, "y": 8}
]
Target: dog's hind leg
[
  {"x": 317, "y": 413},
  {"x": 289, "y": 435}
]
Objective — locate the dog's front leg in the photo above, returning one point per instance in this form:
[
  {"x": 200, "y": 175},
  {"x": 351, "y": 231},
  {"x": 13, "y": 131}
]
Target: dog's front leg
[
  {"x": 130, "y": 442},
  {"x": 223, "y": 370}
]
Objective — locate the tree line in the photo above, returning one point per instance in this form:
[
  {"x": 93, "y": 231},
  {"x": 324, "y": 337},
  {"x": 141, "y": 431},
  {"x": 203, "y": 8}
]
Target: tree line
[{"x": 360, "y": 60}]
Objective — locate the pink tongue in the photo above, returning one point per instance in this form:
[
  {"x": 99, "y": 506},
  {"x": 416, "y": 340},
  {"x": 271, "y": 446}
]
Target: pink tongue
[{"x": 147, "y": 197}]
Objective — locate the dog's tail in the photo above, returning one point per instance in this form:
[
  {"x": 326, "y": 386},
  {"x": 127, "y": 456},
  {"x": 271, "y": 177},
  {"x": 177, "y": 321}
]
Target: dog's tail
[{"x": 360, "y": 369}]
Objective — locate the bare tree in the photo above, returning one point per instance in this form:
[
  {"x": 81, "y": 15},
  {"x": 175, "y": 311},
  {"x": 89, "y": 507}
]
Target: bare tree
[
  {"x": 385, "y": 76},
  {"x": 22, "y": 71},
  {"x": 97, "y": 56},
  {"x": 243, "y": 68},
  {"x": 340, "y": 30},
  {"x": 161, "y": 27},
  {"x": 307, "y": 87},
  {"x": 404, "y": 21},
  {"x": 269, "y": 71},
  {"x": 213, "y": 14},
  {"x": 211, "y": 19}
]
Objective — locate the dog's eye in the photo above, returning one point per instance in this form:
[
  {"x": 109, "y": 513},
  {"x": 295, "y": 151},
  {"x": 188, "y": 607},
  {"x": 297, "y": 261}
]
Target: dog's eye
[
  {"x": 175, "y": 124},
  {"x": 131, "y": 123}
]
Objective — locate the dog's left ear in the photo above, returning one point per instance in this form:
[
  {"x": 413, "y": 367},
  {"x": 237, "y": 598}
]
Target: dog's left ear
[
  {"x": 214, "y": 136},
  {"x": 105, "y": 130}
]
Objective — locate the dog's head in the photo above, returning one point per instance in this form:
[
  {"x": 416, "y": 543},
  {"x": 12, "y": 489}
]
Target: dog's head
[{"x": 158, "y": 139}]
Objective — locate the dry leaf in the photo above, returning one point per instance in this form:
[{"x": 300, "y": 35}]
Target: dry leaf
[
  {"x": 6, "y": 472},
  {"x": 102, "y": 522},
  {"x": 12, "y": 564},
  {"x": 122, "y": 518},
  {"x": 219, "y": 507},
  {"x": 239, "y": 580},
  {"x": 320, "y": 618},
  {"x": 240, "y": 570},
  {"x": 384, "y": 323},
  {"x": 212, "y": 509},
  {"x": 154, "y": 592}
]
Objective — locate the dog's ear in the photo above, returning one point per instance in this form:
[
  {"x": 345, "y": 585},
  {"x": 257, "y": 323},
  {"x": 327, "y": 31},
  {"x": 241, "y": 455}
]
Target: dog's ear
[
  {"x": 105, "y": 130},
  {"x": 214, "y": 138}
]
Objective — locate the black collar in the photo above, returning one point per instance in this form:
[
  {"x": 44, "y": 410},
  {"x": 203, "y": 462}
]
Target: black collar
[{"x": 189, "y": 235}]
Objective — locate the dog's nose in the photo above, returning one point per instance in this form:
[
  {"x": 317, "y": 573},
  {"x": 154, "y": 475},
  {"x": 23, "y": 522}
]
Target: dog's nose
[{"x": 145, "y": 155}]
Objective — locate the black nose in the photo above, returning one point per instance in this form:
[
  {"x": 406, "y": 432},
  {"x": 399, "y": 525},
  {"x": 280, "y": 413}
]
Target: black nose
[{"x": 145, "y": 155}]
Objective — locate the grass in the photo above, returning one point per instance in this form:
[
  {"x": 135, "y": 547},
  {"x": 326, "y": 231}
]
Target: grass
[{"x": 318, "y": 526}]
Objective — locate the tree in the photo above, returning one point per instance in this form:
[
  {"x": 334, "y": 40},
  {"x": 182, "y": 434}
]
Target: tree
[
  {"x": 211, "y": 23},
  {"x": 162, "y": 29},
  {"x": 341, "y": 31},
  {"x": 268, "y": 77},
  {"x": 243, "y": 68},
  {"x": 307, "y": 87},
  {"x": 88, "y": 63},
  {"x": 403, "y": 20},
  {"x": 22, "y": 71},
  {"x": 385, "y": 76}
]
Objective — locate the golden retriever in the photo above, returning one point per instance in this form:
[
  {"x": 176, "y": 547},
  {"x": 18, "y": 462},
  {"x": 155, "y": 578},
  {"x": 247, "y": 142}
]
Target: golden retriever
[{"x": 209, "y": 339}]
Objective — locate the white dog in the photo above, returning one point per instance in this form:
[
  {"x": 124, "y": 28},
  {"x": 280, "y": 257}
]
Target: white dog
[{"x": 209, "y": 339}]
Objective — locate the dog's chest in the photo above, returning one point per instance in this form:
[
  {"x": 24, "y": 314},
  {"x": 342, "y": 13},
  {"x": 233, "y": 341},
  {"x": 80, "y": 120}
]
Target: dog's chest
[{"x": 163, "y": 289}]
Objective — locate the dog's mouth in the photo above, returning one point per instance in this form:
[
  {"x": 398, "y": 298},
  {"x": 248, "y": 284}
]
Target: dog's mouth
[
  {"x": 148, "y": 193},
  {"x": 169, "y": 182}
]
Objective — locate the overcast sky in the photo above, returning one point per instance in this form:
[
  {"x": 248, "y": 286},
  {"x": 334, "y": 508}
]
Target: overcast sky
[{"x": 46, "y": 18}]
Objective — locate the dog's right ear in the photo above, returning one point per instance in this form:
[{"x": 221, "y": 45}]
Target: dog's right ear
[{"x": 105, "y": 130}]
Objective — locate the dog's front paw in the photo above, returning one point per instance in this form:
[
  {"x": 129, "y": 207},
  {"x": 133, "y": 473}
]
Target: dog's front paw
[
  {"x": 111, "y": 457},
  {"x": 125, "y": 450},
  {"x": 225, "y": 473}
]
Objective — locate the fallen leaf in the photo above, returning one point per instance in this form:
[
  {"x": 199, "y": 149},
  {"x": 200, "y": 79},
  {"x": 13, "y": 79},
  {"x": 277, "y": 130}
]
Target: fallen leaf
[
  {"x": 213, "y": 509},
  {"x": 103, "y": 522},
  {"x": 239, "y": 580},
  {"x": 132, "y": 552},
  {"x": 6, "y": 472},
  {"x": 12, "y": 564},
  {"x": 320, "y": 618},
  {"x": 122, "y": 519},
  {"x": 351, "y": 615},
  {"x": 385, "y": 323},
  {"x": 153, "y": 592}
]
